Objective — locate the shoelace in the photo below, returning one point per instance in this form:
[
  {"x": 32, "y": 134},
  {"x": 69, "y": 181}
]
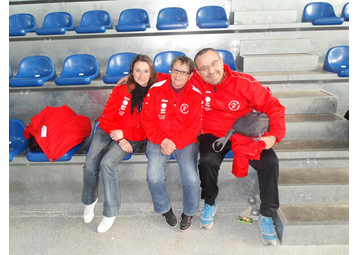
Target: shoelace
[{"x": 268, "y": 225}]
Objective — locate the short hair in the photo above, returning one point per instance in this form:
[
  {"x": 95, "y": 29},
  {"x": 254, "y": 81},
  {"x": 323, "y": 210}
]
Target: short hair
[
  {"x": 184, "y": 60},
  {"x": 201, "y": 52},
  {"x": 153, "y": 74}
]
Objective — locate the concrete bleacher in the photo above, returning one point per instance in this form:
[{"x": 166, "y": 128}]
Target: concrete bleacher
[{"x": 314, "y": 175}]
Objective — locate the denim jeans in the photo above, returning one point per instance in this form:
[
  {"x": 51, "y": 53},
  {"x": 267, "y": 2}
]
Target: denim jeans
[
  {"x": 187, "y": 162},
  {"x": 103, "y": 157}
]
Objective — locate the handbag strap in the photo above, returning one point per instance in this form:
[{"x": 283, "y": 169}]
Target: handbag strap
[{"x": 221, "y": 142}]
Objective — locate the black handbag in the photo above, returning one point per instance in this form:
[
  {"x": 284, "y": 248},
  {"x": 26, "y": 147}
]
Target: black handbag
[{"x": 253, "y": 124}]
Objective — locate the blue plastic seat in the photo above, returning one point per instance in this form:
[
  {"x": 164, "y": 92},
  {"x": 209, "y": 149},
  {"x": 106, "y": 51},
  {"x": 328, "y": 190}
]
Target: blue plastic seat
[
  {"x": 230, "y": 154},
  {"x": 93, "y": 132},
  {"x": 345, "y": 12},
  {"x": 228, "y": 58},
  {"x": 17, "y": 141},
  {"x": 133, "y": 20},
  {"x": 320, "y": 13},
  {"x": 40, "y": 156},
  {"x": 95, "y": 21},
  {"x": 212, "y": 17},
  {"x": 172, "y": 18},
  {"x": 33, "y": 71},
  {"x": 118, "y": 67},
  {"x": 163, "y": 60},
  {"x": 22, "y": 23},
  {"x": 56, "y": 23},
  {"x": 337, "y": 61},
  {"x": 10, "y": 72},
  {"x": 78, "y": 69}
]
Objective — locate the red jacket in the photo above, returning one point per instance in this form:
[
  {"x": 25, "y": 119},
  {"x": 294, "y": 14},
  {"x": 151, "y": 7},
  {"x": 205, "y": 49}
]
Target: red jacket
[
  {"x": 234, "y": 97},
  {"x": 176, "y": 116},
  {"x": 57, "y": 130},
  {"x": 117, "y": 115}
]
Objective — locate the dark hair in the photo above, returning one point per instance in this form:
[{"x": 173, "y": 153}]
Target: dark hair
[
  {"x": 201, "y": 52},
  {"x": 184, "y": 60},
  {"x": 153, "y": 74}
]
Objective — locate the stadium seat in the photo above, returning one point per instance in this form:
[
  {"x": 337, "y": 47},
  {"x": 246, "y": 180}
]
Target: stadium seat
[
  {"x": 228, "y": 58},
  {"x": 211, "y": 17},
  {"x": 22, "y": 23},
  {"x": 163, "y": 60},
  {"x": 78, "y": 69},
  {"x": 172, "y": 18},
  {"x": 17, "y": 141},
  {"x": 94, "y": 22},
  {"x": 345, "y": 12},
  {"x": 133, "y": 20},
  {"x": 56, "y": 23},
  {"x": 93, "y": 132},
  {"x": 118, "y": 67},
  {"x": 33, "y": 71},
  {"x": 320, "y": 13},
  {"x": 230, "y": 154},
  {"x": 337, "y": 61},
  {"x": 40, "y": 156},
  {"x": 10, "y": 72}
]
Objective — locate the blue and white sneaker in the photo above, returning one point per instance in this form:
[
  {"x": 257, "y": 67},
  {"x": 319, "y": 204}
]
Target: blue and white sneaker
[
  {"x": 207, "y": 215},
  {"x": 268, "y": 232}
]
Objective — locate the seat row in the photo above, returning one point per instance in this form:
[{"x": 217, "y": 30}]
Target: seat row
[
  {"x": 322, "y": 13},
  {"x": 98, "y": 21},
  {"x": 83, "y": 68}
]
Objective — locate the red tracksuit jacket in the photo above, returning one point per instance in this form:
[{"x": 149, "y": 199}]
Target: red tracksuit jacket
[
  {"x": 176, "y": 116},
  {"x": 117, "y": 115}
]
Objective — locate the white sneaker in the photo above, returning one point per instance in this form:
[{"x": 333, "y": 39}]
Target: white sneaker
[
  {"x": 88, "y": 215},
  {"x": 105, "y": 224}
]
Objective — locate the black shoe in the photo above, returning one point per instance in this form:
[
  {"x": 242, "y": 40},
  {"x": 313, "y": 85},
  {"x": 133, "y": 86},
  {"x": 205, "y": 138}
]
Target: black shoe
[
  {"x": 185, "y": 223},
  {"x": 170, "y": 218}
]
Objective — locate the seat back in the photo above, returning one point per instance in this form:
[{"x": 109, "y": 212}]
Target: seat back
[
  {"x": 79, "y": 65},
  {"x": 133, "y": 17},
  {"x": 36, "y": 67},
  {"x": 209, "y": 13},
  {"x": 317, "y": 10},
  {"x": 96, "y": 18},
  {"x": 336, "y": 59},
  {"x": 345, "y": 12},
  {"x": 22, "y": 20},
  {"x": 58, "y": 19},
  {"x": 118, "y": 66},
  {"x": 172, "y": 18},
  {"x": 228, "y": 59},
  {"x": 163, "y": 60}
]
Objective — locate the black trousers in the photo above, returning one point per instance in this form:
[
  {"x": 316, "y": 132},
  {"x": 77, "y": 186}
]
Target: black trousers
[{"x": 267, "y": 171}]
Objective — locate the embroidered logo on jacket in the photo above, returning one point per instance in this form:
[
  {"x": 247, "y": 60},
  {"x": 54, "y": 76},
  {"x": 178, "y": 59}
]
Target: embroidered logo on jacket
[
  {"x": 123, "y": 106},
  {"x": 234, "y": 105},
  {"x": 184, "y": 108},
  {"x": 207, "y": 103}
]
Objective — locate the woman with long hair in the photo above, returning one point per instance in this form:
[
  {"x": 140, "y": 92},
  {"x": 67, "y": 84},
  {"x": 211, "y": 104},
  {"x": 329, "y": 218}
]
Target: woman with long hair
[{"x": 118, "y": 134}]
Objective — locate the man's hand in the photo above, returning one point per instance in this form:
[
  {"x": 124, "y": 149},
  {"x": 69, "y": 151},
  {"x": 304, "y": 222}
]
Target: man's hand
[
  {"x": 116, "y": 134},
  {"x": 269, "y": 140},
  {"x": 167, "y": 146},
  {"x": 123, "y": 80},
  {"x": 125, "y": 146}
]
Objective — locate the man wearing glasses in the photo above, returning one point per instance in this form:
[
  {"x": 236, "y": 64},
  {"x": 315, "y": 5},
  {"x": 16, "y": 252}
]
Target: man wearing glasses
[
  {"x": 227, "y": 96},
  {"x": 172, "y": 118}
]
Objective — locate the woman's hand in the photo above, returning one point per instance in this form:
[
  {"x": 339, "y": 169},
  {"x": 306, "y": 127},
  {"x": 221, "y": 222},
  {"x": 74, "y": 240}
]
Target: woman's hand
[
  {"x": 269, "y": 140},
  {"x": 125, "y": 146},
  {"x": 116, "y": 134},
  {"x": 167, "y": 146},
  {"x": 123, "y": 80}
]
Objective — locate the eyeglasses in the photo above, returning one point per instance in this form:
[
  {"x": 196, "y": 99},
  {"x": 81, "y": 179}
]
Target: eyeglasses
[
  {"x": 206, "y": 68},
  {"x": 176, "y": 71}
]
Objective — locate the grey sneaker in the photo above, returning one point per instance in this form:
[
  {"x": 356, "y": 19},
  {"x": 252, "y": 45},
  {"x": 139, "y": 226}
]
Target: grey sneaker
[
  {"x": 185, "y": 223},
  {"x": 170, "y": 218}
]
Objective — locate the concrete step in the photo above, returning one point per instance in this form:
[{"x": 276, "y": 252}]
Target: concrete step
[
  {"x": 307, "y": 102},
  {"x": 274, "y": 46},
  {"x": 314, "y": 186},
  {"x": 277, "y": 62},
  {"x": 265, "y": 17},
  {"x": 313, "y": 224},
  {"x": 315, "y": 126}
]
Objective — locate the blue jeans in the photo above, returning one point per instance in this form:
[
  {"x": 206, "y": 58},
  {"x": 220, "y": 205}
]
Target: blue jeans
[
  {"x": 187, "y": 161},
  {"x": 103, "y": 157}
]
